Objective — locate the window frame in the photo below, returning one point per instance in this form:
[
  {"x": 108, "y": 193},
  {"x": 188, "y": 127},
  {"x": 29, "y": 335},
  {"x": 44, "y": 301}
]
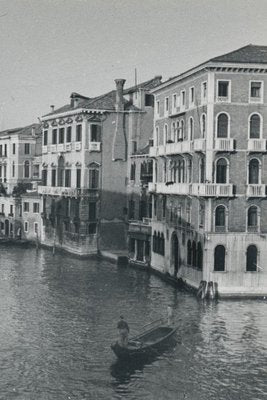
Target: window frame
[
  {"x": 204, "y": 99},
  {"x": 228, "y": 125},
  {"x": 192, "y": 102},
  {"x": 257, "y": 100},
  {"x": 261, "y": 125},
  {"x": 225, "y": 258},
  {"x": 224, "y": 99}
]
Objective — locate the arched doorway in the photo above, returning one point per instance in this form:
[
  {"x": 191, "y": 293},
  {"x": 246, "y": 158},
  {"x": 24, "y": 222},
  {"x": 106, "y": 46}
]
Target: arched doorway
[
  {"x": 175, "y": 253},
  {"x": 6, "y": 227}
]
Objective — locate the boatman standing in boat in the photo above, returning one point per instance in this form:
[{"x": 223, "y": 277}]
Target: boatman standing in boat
[{"x": 123, "y": 328}]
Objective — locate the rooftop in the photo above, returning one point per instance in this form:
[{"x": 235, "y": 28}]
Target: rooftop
[
  {"x": 251, "y": 54},
  {"x": 107, "y": 101},
  {"x": 23, "y": 131}
]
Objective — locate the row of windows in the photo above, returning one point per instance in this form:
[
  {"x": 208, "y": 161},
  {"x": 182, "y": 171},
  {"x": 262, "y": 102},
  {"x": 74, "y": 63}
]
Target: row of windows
[
  {"x": 180, "y": 171},
  {"x": 63, "y": 177},
  {"x": 26, "y": 207},
  {"x": 253, "y": 218},
  {"x": 63, "y": 135},
  {"x": 146, "y": 171},
  {"x": 3, "y": 149},
  {"x": 223, "y": 93},
  {"x": 35, "y": 227},
  {"x": 255, "y": 124},
  {"x": 26, "y": 170},
  {"x": 158, "y": 243},
  {"x": 194, "y": 254},
  {"x": 251, "y": 258}
]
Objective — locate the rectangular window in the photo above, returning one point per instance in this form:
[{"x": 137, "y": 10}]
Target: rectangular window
[
  {"x": 26, "y": 148},
  {"x": 78, "y": 178},
  {"x": 69, "y": 131},
  {"x": 61, "y": 135},
  {"x": 93, "y": 178},
  {"x": 36, "y": 168},
  {"x": 183, "y": 98},
  {"x": 5, "y": 150},
  {"x": 35, "y": 207},
  {"x": 13, "y": 170},
  {"x": 26, "y": 206},
  {"x": 54, "y": 136},
  {"x": 256, "y": 91},
  {"x": 95, "y": 133},
  {"x": 45, "y": 137},
  {"x": 223, "y": 91},
  {"x": 14, "y": 148},
  {"x": 203, "y": 92},
  {"x": 26, "y": 226},
  {"x": 92, "y": 211},
  {"x": 131, "y": 208},
  {"x": 157, "y": 107},
  {"x": 44, "y": 177},
  {"x": 174, "y": 101},
  {"x": 36, "y": 227},
  {"x": 192, "y": 96},
  {"x": 78, "y": 133},
  {"x": 11, "y": 209},
  {"x": 149, "y": 100},
  {"x": 67, "y": 178},
  {"x": 166, "y": 105},
  {"x": 3, "y": 209},
  {"x": 1, "y": 150},
  {"x": 92, "y": 229}
]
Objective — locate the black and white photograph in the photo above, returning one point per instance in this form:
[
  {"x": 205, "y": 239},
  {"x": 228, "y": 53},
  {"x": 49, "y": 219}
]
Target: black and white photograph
[{"x": 133, "y": 200}]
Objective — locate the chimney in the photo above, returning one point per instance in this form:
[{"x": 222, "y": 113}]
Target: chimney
[
  {"x": 33, "y": 131},
  {"x": 119, "y": 93},
  {"x": 75, "y": 102},
  {"x": 52, "y": 108}
]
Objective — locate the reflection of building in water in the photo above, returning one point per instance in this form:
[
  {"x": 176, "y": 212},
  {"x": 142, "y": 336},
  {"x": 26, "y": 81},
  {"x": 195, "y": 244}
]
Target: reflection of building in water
[{"x": 209, "y": 220}]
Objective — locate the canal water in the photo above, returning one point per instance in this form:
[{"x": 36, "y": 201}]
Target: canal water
[{"x": 58, "y": 318}]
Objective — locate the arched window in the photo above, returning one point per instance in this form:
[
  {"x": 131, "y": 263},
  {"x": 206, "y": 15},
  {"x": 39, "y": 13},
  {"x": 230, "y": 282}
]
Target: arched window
[
  {"x": 189, "y": 252},
  {"x": 199, "y": 256},
  {"x": 173, "y": 131},
  {"x": 165, "y": 133},
  {"x": 93, "y": 176},
  {"x": 194, "y": 254},
  {"x": 177, "y": 131},
  {"x": 253, "y": 171},
  {"x": 203, "y": 125},
  {"x": 61, "y": 167},
  {"x": 252, "y": 218},
  {"x": 191, "y": 129},
  {"x": 219, "y": 258},
  {"x": 180, "y": 170},
  {"x": 222, "y": 126},
  {"x": 154, "y": 241},
  {"x": 252, "y": 258},
  {"x": 162, "y": 242},
  {"x": 202, "y": 170},
  {"x": 221, "y": 171},
  {"x": 254, "y": 126},
  {"x": 189, "y": 171},
  {"x": 26, "y": 169},
  {"x": 220, "y": 216}
]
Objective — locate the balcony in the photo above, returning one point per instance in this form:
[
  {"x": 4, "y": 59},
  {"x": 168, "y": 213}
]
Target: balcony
[
  {"x": 171, "y": 188},
  {"x": 68, "y": 146},
  {"x": 53, "y": 148},
  {"x": 78, "y": 146},
  {"x": 152, "y": 187},
  {"x": 257, "y": 145},
  {"x": 212, "y": 189},
  {"x": 171, "y": 148},
  {"x": 137, "y": 226},
  {"x": 199, "y": 144},
  {"x": 61, "y": 147},
  {"x": 44, "y": 149},
  {"x": 94, "y": 146},
  {"x": 224, "y": 145},
  {"x": 255, "y": 190},
  {"x": 67, "y": 191}
]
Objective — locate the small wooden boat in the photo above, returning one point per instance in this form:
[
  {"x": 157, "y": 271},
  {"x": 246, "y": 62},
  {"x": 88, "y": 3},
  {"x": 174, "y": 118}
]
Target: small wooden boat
[{"x": 149, "y": 342}]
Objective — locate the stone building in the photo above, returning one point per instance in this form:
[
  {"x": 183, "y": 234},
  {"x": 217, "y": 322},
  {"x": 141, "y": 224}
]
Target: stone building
[
  {"x": 210, "y": 174},
  {"x": 20, "y": 151},
  {"x": 85, "y": 151}
]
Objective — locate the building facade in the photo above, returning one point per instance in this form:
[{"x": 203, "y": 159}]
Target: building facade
[
  {"x": 85, "y": 151},
  {"x": 209, "y": 218}
]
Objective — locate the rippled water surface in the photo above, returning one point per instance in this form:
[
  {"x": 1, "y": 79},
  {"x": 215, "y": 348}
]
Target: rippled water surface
[{"x": 58, "y": 318}]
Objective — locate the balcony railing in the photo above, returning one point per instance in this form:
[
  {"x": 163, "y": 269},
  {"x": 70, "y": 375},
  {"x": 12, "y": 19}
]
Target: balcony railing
[
  {"x": 256, "y": 190},
  {"x": 66, "y": 191},
  {"x": 53, "y": 148},
  {"x": 44, "y": 149},
  {"x": 78, "y": 146},
  {"x": 139, "y": 227},
  {"x": 171, "y": 188},
  {"x": 256, "y": 144},
  {"x": 184, "y": 146},
  {"x": 224, "y": 144},
  {"x": 94, "y": 146},
  {"x": 61, "y": 147},
  {"x": 68, "y": 147},
  {"x": 199, "y": 144},
  {"x": 212, "y": 189}
]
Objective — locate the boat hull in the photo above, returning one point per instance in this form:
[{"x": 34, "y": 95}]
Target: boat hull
[{"x": 149, "y": 343}]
